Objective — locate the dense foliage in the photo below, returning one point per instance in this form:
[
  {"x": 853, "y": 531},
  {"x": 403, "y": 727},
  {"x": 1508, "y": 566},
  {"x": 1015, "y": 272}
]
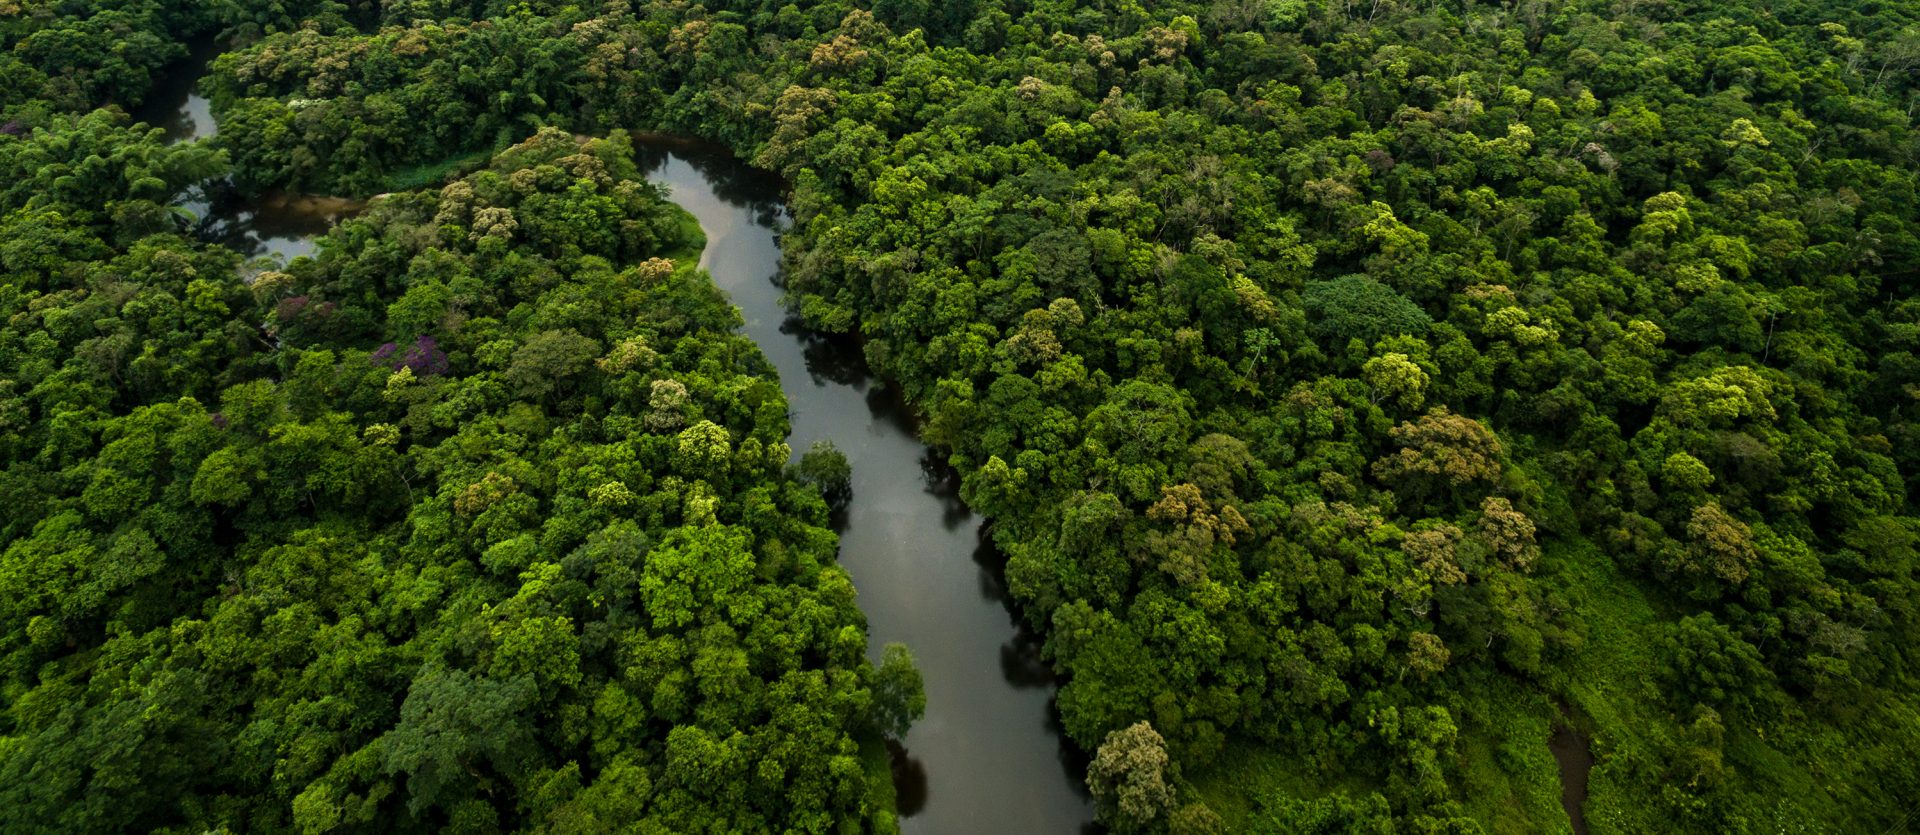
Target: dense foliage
[
  {"x": 76, "y": 54},
  {"x": 481, "y": 518},
  {"x": 1359, "y": 390}
]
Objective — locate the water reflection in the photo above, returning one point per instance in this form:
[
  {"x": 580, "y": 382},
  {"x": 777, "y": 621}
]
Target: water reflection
[
  {"x": 909, "y": 780},
  {"x": 282, "y": 226},
  {"x": 172, "y": 105},
  {"x": 730, "y": 180},
  {"x": 1074, "y": 760},
  {"x": 943, "y": 483},
  {"x": 1575, "y": 759},
  {"x": 830, "y": 359},
  {"x": 989, "y": 756},
  {"x": 275, "y": 225},
  {"x": 1020, "y": 661}
]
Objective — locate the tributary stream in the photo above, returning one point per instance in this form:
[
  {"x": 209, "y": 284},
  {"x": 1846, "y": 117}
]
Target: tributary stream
[{"x": 278, "y": 224}]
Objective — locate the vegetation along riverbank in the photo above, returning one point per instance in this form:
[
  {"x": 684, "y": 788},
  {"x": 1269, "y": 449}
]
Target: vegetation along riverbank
[{"x": 1383, "y": 417}]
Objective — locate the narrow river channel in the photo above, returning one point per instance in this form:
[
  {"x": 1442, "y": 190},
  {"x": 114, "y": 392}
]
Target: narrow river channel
[
  {"x": 281, "y": 225},
  {"x": 987, "y": 757}
]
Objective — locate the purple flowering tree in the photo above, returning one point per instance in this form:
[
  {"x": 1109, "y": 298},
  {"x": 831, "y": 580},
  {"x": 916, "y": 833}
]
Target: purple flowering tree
[{"x": 423, "y": 356}]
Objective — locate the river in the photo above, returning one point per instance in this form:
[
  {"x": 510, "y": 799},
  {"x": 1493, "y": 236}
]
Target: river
[
  {"x": 1574, "y": 756},
  {"x": 989, "y": 756},
  {"x": 277, "y": 225}
]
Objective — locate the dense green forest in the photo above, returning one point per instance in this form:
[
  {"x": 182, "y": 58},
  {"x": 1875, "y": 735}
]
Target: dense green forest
[{"x": 1360, "y": 391}]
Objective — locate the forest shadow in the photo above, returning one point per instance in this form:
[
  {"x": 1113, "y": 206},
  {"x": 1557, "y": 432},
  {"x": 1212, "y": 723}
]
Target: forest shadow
[{"x": 909, "y": 780}]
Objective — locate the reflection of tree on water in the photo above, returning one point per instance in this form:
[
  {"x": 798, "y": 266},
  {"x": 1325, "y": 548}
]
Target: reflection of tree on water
[
  {"x": 943, "y": 483},
  {"x": 736, "y": 183},
  {"x": 271, "y": 224},
  {"x": 830, "y": 358},
  {"x": 1575, "y": 759},
  {"x": 171, "y": 104},
  {"x": 979, "y": 738},
  {"x": 217, "y": 211},
  {"x": 910, "y": 783},
  {"x": 909, "y": 780},
  {"x": 1022, "y": 663},
  {"x": 993, "y": 572},
  {"x": 1072, "y": 758}
]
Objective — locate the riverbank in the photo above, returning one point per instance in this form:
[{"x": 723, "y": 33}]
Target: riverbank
[
  {"x": 988, "y": 755},
  {"x": 1575, "y": 758}
]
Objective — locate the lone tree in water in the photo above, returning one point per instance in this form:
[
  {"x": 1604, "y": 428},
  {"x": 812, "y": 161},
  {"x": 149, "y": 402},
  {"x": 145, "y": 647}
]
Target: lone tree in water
[
  {"x": 1129, "y": 778},
  {"x": 899, "y": 696},
  {"x": 825, "y": 466}
]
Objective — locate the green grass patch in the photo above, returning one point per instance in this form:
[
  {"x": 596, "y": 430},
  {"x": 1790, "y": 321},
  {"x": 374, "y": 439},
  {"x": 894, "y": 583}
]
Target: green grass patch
[
  {"x": 1508, "y": 779},
  {"x": 1506, "y": 776},
  {"x": 1246, "y": 772},
  {"x": 693, "y": 239},
  {"x": 1610, "y": 684},
  {"x": 438, "y": 171},
  {"x": 879, "y": 769},
  {"x": 1811, "y": 768}
]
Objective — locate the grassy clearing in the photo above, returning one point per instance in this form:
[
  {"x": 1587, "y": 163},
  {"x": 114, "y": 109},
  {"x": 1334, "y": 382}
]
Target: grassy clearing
[
  {"x": 879, "y": 770},
  {"x": 1610, "y": 682},
  {"x": 1799, "y": 770},
  {"x": 1508, "y": 778},
  {"x": 687, "y": 255},
  {"x": 1245, "y": 772},
  {"x": 437, "y": 172}
]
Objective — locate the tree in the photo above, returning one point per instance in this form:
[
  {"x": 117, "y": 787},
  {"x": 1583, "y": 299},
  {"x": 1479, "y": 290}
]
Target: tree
[
  {"x": 1130, "y": 778},
  {"x": 1441, "y": 453},
  {"x": 1397, "y": 380},
  {"x": 899, "y": 697},
  {"x": 457, "y": 733},
  {"x": 1720, "y": 547},
  {"x": 1435, "y": 547},
  {"x": 1111, "y": 251},
  {"x": 454, "y": 570},
  {"x": 1509, "y": 533},
  {"x": 1703, "y": 661},
  {"x": 544, "y": 364},
  {"x": 703, "y": 450},
  {"x": 1427, "y": 655},
  {"x": 1358, "y": 307},
  {"x": 825, "y": 467}
]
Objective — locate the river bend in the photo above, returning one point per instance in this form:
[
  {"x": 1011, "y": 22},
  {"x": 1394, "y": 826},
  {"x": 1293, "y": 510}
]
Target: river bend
[{"x": 989, "y": 756}]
